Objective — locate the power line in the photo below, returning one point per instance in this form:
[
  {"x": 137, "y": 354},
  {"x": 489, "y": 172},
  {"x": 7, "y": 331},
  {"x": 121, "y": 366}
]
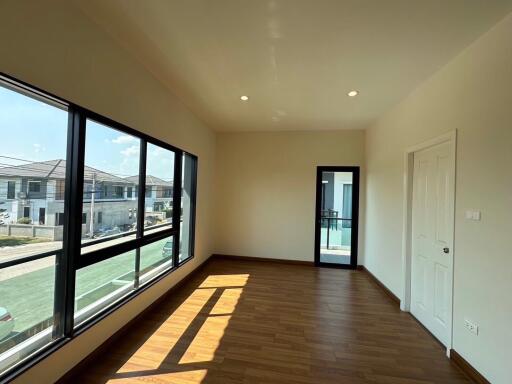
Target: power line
[
  {"x": 15, "y": 158},
  {"x": 30, "y": 167}
]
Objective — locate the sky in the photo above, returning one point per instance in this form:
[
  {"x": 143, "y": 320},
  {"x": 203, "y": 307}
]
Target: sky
[{"x": 31, "y": 130}]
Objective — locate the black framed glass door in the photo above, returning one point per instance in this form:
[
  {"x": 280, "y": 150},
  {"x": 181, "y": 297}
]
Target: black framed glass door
[{"x": 337, "y": 221}]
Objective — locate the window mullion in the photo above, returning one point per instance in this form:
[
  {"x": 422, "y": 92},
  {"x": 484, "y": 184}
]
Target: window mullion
[
  {"x": 140, "y": 206},
  {"x": 192, "y": 181},
  {"x": 66, "y": 260},
  {"x": 176, "y": 205}
]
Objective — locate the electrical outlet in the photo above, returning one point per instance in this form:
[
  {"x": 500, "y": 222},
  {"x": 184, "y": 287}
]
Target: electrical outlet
[
  {"x": 471, "y": 327},
  {"x": 473, "y": 215}
]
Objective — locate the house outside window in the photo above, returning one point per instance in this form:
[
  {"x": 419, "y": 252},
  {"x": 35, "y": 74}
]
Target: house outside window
[
  {"x": 59, "y": 190},
  {"x": 59, "y": 218},
  {"x": 167, "y": 192},
  {"x": 87, "y": 191},
  {"x": 11, "y": 189},
  {"x": 118, "y": 192},
  {"x": 34, "y": 186}
]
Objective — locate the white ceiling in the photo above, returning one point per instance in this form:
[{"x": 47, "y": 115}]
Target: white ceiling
[{"x": 296, "y": 59}]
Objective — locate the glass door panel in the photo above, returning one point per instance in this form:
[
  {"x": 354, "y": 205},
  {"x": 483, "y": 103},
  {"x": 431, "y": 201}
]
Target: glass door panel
[{"x": 337, "y": 189}]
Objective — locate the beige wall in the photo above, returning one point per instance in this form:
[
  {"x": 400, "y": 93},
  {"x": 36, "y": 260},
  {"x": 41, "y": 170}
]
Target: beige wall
[
  {"x": 52, "y": 45},
  {"x": 265, "y": 188},
  {"x": 473, "y": 95}
]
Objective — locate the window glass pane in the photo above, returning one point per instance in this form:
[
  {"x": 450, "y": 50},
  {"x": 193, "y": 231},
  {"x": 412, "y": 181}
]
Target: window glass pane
[
  {"x": 159, "y": 183},
  {"x": 336, "y": 217},
  {"x": 32, "y": 164},
  {"x": 155, "y": 258},
  {"x": 111, "y": 169},
  {"x": 26, "y": 309},
  {"x": 189, "y": 172},
  {"x": 101, "y": 284},
  {"x": 33, "y": 137}
]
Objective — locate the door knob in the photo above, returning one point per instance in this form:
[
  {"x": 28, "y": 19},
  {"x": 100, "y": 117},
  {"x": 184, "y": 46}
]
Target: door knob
[{"x": 446, "y": 250}]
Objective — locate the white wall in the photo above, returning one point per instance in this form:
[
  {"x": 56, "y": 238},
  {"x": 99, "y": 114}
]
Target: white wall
[
  {"x": 340, "y": 179},
  {"x": 265, "y": 189},
  {"x": 472, "y": 94},
  {"x": 52, "y": 45}
]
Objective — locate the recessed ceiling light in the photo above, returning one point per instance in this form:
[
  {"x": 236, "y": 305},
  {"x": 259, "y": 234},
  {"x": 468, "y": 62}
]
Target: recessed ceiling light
[
  {"x": 353, "y": 93},
  {"x": 244, "y": 98}
]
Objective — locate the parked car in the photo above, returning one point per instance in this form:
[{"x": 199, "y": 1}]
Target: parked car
[
  {"x": 6, "y": 323},
  {"x": 167, "y": 250},
  {"x": 150, "y": 220},
  {"x": 107, "y": 231}
]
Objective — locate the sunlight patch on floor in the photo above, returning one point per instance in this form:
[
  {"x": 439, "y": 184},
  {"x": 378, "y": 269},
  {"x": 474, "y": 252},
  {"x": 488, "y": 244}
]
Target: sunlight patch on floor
[
  {"x": 214, "y": 281},
  {"x": 167, "y": 335},
  {"x": 227, "y": 302},
  {"x": 204, "y": 346},
  {"x": 207, "y": 340},
  {"x": 185, "y": 377}
]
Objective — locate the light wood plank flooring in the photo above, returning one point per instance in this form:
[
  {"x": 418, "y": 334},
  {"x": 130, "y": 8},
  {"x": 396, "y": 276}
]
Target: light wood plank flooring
[{"x": 261, "y": 322}]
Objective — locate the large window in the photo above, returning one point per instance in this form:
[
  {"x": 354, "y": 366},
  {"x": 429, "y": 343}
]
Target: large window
[
  {"x": 32, "y": 162},
  {"x": 91, "y": 212}
]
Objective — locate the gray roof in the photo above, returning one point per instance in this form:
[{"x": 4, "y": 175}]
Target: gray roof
[
  {"x": 150, "y": 180},
  {"x": 56, "y": 169}
]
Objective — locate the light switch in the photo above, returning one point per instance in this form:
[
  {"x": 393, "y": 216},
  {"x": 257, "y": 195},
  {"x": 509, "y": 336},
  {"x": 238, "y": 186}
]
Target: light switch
[
  {"x": 476, "y": 215},
  {"x": 469, "y": 215}
]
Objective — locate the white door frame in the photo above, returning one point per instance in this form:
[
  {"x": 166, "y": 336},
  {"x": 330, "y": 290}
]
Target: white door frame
[{"x": 405, "y": 303}]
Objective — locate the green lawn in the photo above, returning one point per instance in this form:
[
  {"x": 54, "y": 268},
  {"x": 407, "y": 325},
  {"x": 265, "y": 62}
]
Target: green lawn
[
  {"x": 12, "y": 241},
  {"x": 30, "y": 297}
]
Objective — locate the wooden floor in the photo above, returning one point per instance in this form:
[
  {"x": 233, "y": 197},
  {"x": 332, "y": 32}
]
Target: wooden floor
[{"x": 261, "y": 322}]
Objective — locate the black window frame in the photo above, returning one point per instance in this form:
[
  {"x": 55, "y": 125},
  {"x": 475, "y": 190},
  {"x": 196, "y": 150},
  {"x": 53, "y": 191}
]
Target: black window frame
[
  {"x": 193, "y": 197},
  {"x": 69, "y": 258}
]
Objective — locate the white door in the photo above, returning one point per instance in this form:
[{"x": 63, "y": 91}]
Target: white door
[{"x": 432, "y": 238}]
